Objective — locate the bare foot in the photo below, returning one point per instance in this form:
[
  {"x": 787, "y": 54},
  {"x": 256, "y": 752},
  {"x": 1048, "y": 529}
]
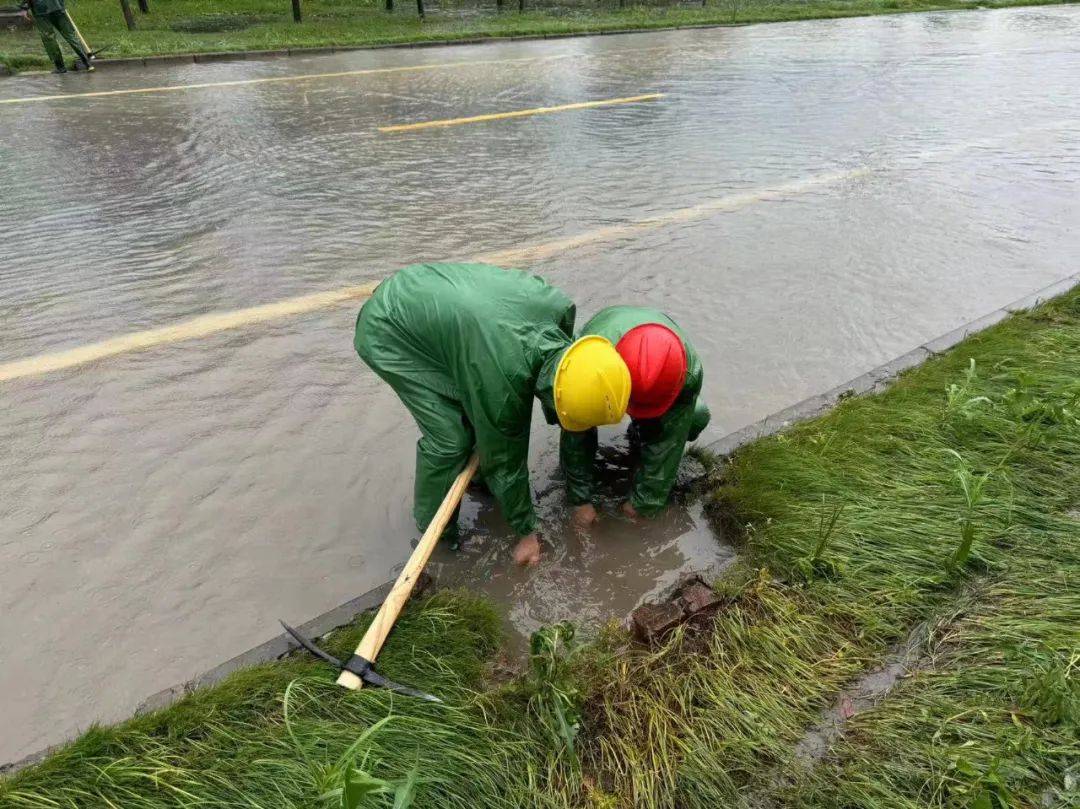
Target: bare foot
[
  {"x": 584, "y": 515},
  {"x": 629, "y": 510},
  {"x": 527, "y": 551}
]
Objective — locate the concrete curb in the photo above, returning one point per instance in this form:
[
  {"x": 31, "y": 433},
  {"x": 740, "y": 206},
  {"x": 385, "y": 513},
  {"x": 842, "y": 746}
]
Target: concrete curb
[
  {"x": 877, "y": 378},
  {"x": 237, "y": 56},
  {"x": 874, "y": 379}
]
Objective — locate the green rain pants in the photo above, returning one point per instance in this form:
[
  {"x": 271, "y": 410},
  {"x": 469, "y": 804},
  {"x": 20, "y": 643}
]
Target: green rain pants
[
  {"x": 446, "y": 442},
  {"x": 48, "y": 25}
]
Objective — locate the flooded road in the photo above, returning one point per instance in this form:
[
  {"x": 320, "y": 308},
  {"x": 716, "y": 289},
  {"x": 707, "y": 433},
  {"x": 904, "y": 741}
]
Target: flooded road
[{"x": 808, "y": 200}]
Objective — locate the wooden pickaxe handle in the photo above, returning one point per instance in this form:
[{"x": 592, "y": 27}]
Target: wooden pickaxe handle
[{"x": 372, "y": 642}]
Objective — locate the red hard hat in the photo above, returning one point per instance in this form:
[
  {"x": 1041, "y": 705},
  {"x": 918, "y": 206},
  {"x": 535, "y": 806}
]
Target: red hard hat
[{"x": 656, "y": 358}]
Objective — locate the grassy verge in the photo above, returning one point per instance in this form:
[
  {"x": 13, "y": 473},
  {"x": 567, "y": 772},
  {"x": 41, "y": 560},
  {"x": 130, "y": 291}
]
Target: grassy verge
[
  {"x": 991, "y": 722},
  {"x": 284, "y": 735},
  {"x": 200, "y": 26},
  {"x": 959, "y": 479},
  {"x": 951, "y": 498}
]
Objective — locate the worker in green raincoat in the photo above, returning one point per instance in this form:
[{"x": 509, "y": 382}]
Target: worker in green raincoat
[
  {"x": 51, "y": 18},
  {"x": 664, "y": 407},
  {"x": 467, "y": 347}
]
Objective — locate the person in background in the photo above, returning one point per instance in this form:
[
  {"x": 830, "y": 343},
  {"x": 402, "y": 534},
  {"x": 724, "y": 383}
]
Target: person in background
[
  {"x": 51, "y": 18},
  {"x": 467, "y": 347},
  {"x": 664, "y": 408}
]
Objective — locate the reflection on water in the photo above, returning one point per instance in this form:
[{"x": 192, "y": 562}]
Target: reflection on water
[{"x": 264, "y": 471}]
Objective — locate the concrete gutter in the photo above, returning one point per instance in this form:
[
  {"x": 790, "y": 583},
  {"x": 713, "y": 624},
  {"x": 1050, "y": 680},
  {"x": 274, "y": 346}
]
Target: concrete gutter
[{"x": 875, "y": 379}]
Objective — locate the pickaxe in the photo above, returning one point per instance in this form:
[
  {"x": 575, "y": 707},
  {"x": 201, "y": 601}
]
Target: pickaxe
[
  {"x": 358, "y": 669},
  {"x": 89, "y": 53}
]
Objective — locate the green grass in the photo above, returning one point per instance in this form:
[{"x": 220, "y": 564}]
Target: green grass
[
  {"x": 279, "y": 735},
  {"x": 950, "y": 499},
  {"x": 712, "y": 721},
  {"x": 992, "y": 723},
  {"x": 200, "y": 26}
]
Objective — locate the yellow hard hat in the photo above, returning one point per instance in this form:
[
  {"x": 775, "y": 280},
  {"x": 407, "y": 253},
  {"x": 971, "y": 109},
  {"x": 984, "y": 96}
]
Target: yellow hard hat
[{"x": 592, "y": 385}]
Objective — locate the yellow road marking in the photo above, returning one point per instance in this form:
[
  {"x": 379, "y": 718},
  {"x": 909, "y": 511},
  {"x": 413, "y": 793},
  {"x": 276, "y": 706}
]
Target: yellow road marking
[
  {"x": 497, "y": 116},
  {"x": 173, "y": 88},
  {"x": 186, "y": 330},
  {"x": 610, "y": 233},
  {"x": 224, "y": 321}
]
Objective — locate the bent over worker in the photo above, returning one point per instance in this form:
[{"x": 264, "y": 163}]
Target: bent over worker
[
  {"x": 666, "y": 413},
  {"x": 466, "y": 347},
  {"x": 51, "y": 18}
]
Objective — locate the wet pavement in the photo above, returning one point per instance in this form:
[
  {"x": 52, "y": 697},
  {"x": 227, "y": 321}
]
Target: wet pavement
[{"x": 808, "y": 200}]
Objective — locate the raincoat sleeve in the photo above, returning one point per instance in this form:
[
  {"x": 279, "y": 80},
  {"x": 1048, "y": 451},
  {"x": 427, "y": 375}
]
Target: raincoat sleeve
[
  {"x": 500, "y": 406},
  {"x": 663, "y": 442},
  {"x": 505, "y": 462},
  {"x": 577, "y": 455}
]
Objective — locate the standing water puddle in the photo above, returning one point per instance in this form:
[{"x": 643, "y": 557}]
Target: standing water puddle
[{"x": 589, "y": 576}]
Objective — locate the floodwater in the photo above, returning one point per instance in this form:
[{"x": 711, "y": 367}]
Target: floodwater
[{"x": 808, "y": 200}]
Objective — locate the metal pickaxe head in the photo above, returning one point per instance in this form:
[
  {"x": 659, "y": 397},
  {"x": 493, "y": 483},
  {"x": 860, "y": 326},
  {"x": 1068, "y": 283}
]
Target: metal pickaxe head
[{"x": 359, "y": 666}]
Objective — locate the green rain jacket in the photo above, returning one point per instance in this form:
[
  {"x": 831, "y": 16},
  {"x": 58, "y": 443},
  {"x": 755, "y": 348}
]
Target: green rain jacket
[
  {"x": 662, "y": 440},
  {"x": 467, "y": 347}
]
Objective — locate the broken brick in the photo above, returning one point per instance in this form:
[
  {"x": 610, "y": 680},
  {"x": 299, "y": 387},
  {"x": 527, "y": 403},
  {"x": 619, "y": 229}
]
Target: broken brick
[
  {"x": 650, "y": 622},
  {"x": 696, "y": 598}
]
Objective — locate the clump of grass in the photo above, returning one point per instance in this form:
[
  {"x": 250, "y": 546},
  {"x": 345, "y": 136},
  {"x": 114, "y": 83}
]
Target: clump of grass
[
  {"x": 972, "y": 486},
  {"x": 816, "y": 564},
  {"x": 554, "y": 695}
]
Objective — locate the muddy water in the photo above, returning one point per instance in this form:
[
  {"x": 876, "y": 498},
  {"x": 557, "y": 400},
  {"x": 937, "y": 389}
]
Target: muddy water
[
  {"x": 159, "y": 509},
  {"x": 589, "y": 576}
]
